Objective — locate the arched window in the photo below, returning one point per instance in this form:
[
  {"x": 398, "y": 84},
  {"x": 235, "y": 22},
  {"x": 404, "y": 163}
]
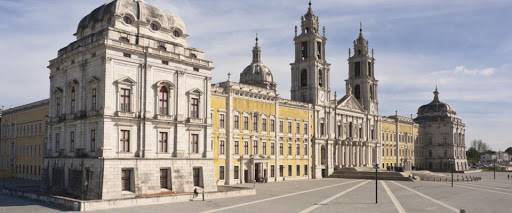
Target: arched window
[
  {"x": 163, "y": 100},
  {"x": 357, "y": 92},
  {"x": 304, "y": 78},
  {"x": 73, "y": 99},
  {"x": 321, "y": 78}
]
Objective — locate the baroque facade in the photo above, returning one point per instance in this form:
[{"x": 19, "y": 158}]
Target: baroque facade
[
  {"x": 443, "y": 135},
  {"x": 132, "y": 111},
  {"x": 317, "y": 131},
  {"x": 129, "y": 107}
]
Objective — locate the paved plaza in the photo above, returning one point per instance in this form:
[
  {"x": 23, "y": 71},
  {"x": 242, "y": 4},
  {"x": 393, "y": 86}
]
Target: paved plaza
[{"x": 336, "y": 195}]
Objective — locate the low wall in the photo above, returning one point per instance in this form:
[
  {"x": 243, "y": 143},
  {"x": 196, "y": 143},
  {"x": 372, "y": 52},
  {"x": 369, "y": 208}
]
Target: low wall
[{"x": 90, "y": 205}]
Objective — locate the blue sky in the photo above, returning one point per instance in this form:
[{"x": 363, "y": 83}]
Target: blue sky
[{"x": 463, "y": 46}]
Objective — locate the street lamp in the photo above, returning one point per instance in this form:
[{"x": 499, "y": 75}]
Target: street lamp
[
  {"x": 376, "y": 167},
  {"x": 452, "y": 164},
  {"x": 494, "y": 158}
]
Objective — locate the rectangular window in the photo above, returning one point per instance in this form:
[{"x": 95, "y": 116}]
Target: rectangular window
[
  {"x": 73, "y": 99},
  {"x": 289, "y": 170},
  {"x": 255, "y": 122},
  {"x": 281, "y": 170},
  {"x": 236, "y": 122},
  {"x": 289, "y": 127},
  {"x": 126, "y": 179},
  {"x": 93, "y": 99},
  {"x": 264, "y": 124},
  {"x": 57, "y": 142},
  {"x": 289, "y": 148},
  {"x": 72, "y": 141},
  {"x": 57, "y": 105},
  {"x": 221, "y": 147},
  {"x": 255, "y": 147},
  {"x": 237, "y": 148},
  {"x": 246, "y": 147},
  {"x": 125, "y": 100},
  {"x": 305, "y": 149},
  {"x": 221, "y": 173},
  {"x": 272, "y": 172},
  {"x": 222, "y": 121},
  {"x": 305, "y": 128},
  {"x": 195, "y": 143},
  {"x": 322, "y": 129},
  {"x": 246, "y": 123},
  {"x": 305, "y": 169},
  {"x": 264, "y": 148},
  {"x": 93, "y": 140},
  {"x": 125, "y": 141},
  {"x": 357, "y": 69},
  {"x": 236, "y": 172},
  {"x": 272, "y": 125},
  {"x": 297, "y": 128},
  {"x": 350, "y": 129},
  {"x": 163, "y": 145},
  {"x": 297, "y": 147},
  {"x": 194, "y": 112},
  {"x": 281, "y": 151},
  {"x": 272, "y": 148},
  {"x": 297, "y": 170},
  {"x": 165, "y": 179},
  {"x": 319, "y": 50}
]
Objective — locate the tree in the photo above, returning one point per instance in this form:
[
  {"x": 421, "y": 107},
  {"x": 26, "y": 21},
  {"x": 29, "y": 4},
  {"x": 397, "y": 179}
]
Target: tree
[
  {"x": 473, "y": 155},
  {"x": 509, "y": 150},
  {"x": 479, "y": 146}
]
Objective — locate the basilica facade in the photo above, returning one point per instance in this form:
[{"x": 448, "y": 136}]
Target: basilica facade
[{"x": 259, "y": 136}]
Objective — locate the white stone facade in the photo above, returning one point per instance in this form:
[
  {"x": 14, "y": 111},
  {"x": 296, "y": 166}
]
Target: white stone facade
[
  {"x": 345, "y": 133},
  {"x": 129, "y": 94},
  {"x": 443, "y": 137}
]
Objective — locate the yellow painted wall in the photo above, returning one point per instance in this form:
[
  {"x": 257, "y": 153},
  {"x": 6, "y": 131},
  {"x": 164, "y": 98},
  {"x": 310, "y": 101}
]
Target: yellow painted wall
[
  {"x": 388, "y": 138},
  {"x": 246, "y": 106},
  {"x": 30, "y": 130}
]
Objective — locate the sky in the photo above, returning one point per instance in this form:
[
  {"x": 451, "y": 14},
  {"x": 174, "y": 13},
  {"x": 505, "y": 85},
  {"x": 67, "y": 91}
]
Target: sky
[{"x": 462, "y": 46}]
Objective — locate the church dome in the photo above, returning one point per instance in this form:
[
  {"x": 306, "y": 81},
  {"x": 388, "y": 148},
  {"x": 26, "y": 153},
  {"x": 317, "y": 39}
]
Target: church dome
[
  {"x": 257, "y": 73},
  {"x": 436, "y": 107},
  {"x": 134, "y": 16}
]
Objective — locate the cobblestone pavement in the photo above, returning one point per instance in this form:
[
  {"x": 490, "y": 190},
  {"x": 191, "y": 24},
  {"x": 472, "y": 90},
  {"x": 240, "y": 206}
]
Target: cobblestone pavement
[{"x": 337, "y": 195}]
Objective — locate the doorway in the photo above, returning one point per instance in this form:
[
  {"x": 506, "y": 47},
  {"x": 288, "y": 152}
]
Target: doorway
[{"x": 197, "y": 175}]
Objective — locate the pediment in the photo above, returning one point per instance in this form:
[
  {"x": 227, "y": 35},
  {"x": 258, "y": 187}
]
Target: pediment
[{"x": 350, "y": 102}]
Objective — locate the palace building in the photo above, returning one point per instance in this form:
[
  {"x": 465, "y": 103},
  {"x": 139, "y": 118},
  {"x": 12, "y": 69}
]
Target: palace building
[
  {"x": 22, "y": 138},
  {"x": 133, "y": 112},
  {"x": 400, "y": 142},
  {"x": 443, "y": 136},
  {"x": 129, "y": 107},
  {"x": 259, "y": 136}
]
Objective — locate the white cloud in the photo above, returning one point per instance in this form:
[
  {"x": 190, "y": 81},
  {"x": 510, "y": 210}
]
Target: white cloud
[{"x": 461, "y": 69}]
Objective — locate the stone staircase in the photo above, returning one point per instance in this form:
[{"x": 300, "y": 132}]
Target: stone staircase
[{"x": 368, "y": 173}]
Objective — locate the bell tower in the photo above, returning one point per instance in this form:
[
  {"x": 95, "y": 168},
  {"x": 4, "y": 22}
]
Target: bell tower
[
  {"x": 361, "y": 77},
  {"x": 310, "y": 71}
]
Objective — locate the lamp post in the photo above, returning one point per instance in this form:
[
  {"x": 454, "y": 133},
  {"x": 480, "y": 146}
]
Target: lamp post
[
  {"x": 495, "y": 166},
  {"x": 453, "y": 168},
  {"x": 376, "y": 180}
]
